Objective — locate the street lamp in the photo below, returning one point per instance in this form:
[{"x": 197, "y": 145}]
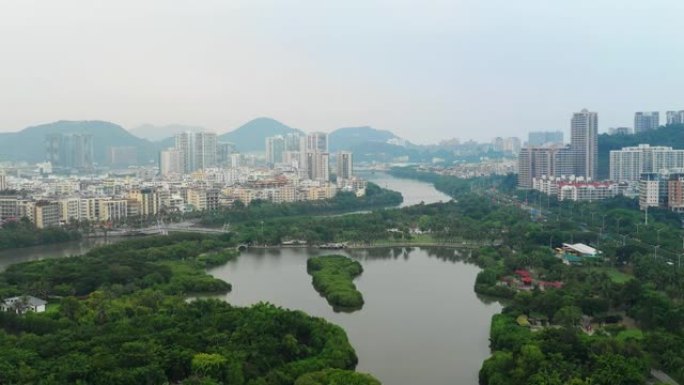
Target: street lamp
[
  {"x": 618, "y": 225},
  {"x": 655, "y": 252},
  {"x": 658, "y": 234}
]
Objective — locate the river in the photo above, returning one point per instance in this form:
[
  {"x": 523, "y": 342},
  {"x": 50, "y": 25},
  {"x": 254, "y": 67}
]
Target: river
[
  {"x": 422, "y": 323},
  {"x": 413, "y": 191}
]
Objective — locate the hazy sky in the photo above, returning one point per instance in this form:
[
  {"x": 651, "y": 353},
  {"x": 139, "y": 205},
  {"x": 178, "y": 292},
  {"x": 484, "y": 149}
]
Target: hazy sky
[{"x": 425, "y": 69}]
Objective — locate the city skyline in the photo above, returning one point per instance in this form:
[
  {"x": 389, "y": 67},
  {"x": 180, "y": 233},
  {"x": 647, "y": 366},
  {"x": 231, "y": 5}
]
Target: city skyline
[{"x": 430, "y": 70}]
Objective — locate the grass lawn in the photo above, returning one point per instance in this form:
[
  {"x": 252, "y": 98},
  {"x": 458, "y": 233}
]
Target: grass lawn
[
  {"x": 615, "y": 275},
  {"x": 52, "y": 308},
  {"x": 630, "y": 334}
]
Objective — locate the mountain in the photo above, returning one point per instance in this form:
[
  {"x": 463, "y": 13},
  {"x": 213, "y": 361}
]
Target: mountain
[
  {"x": 157, "y": 133},
  {"x": 29, "y": 143},
  {"x": 252, "y": 135},
  {"x": 671, "y": 136},
  {"x": 349, "y": 138}
]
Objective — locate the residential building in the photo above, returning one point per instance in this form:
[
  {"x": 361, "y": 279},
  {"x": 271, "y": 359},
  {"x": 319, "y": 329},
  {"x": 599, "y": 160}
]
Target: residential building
[
  {"x": 675, "y": 192},
  {"x": 203, "y": 199},
  {"x": 122, "y": 156},
  {"x": 198, "y": 150},
  {"x": 541, "y": 138},
  {"x": 627, "y": 164},
  {"x": 223, "y": 152},
  {"x": 70, "y": 150},
  {"x": 45, "y": 214},
  {"x": 645, "y": 121},
  {"x": 620, "y": 131},
  {"x": 317, "y": 166},
  {"x": 587, "y": 191},
  {"x": 3, "y": 182},
  {"x": 293, "y": 142},
  {"x": 345, "y": 166},
  {"x": 171, "y": 162},
  {"x": 512, "y": 145},
  {"x": 652, "y": 190},
  {"x": 235, "y": 160},
  {"x": 498, "y": 144},
  {"x": 148, "y": 199},
  {"x": 23, "y": 304},
  {"x": 275, "y": 146},
  {"x": 675, "y": 117},
  {"x": 536, "y": 162},
  {"x": 584, "y": 143},
  {"x": 316, "y": 142}
]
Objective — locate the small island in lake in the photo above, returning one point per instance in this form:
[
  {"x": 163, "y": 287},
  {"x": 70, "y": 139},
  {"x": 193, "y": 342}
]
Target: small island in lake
[{"x": 332, "y": 277}]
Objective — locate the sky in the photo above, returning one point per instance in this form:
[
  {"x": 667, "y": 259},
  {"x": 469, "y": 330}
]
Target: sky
[{"x": 426, "y": 69}]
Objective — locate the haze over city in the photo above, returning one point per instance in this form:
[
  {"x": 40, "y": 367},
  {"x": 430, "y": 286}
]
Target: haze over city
[{"x": 425, "y": 70}]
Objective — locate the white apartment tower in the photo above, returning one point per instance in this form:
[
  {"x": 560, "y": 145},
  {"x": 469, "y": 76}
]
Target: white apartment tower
[
  {"x": 275, "y": 147},
  {"x": 675, "y": 117},
  {"x": 584, "y": 143},
  {"x": 645, "y": 121},
  {"x": 198, "y": 150}
]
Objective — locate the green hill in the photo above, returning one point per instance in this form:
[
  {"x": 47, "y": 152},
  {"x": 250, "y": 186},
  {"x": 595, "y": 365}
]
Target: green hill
[
  {"x": 29, "y": 143},
  {"x": 159, "y": 133},
  {"x": 252, "y": 135},
  {"x": 672, "y": 135},
  {"x": 348, "y": 138}
]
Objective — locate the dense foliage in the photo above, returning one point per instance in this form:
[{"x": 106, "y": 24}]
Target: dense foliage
[
  {"x": 173, "y": 264},
  {"x": 375, "y": 197},
  {"x": 115, "y": 317},
  {"x": 333, "y": 277},
  {"x": 336, "y": 377},
  {"x": 23, "y": 234}
]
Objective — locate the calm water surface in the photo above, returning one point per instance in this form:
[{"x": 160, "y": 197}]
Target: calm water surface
[
  {"x": 421, "y": 324},
  {"x": 414, "y": 191}
]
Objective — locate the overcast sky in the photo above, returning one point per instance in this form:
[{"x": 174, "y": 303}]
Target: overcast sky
[{"x": 425, "y": 69}]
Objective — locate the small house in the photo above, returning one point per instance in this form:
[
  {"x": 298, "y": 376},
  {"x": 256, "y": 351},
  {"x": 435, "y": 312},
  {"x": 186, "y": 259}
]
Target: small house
[{"x": 23, "y": 304}]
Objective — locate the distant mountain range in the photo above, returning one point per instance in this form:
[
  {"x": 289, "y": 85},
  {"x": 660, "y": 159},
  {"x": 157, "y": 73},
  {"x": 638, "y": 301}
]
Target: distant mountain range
[
  {"x": 29, "y": 143},
  {"x": 251, "y": 136},
  {"x": 157, "y": 133}
]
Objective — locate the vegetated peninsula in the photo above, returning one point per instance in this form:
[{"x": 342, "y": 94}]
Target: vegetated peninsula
[
  {"x": 332, "y": 277},
  {"x": 119, "y": 315}
]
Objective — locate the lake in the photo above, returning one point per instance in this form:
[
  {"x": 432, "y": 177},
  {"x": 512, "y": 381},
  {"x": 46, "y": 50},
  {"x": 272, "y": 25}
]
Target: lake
[{"x": 422, "y": 323}]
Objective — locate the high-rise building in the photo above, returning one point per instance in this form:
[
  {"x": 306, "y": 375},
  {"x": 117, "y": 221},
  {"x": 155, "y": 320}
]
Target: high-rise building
[
  {"x": 584, "y": 143},
  {"x": 675, "y": 117},
  {"x": 644, "y": 121},
  {"x": 3, "y": 182},
  {"x": 540, "y": 138},
  {"x": 205, "y": 150},
  {"x": 548, "y": 161},
  {"x": 652, "y": 190},
  {"x": 498, "y": 144},
  {"x": 675, "y": 192},
  {"x": 293, "y": 142},
  {"x": 316, "y": 141},
  {"x": 70, "y": 150},
  {"x": 512, "y": 145},
  {"x": 620, "y": 131},
  {"x": 171, "y": 162},
  {"x": 275, "y": 146},
  {"x": 223, "y": 152},
  {"x": 628, "y": 163},
  {"x": 198, "y": 150},
  {"x": 235, "y": 160},
  {"x": 318, "y": 166},
  {"x": 122, "y": 156},
  {"x": 345, "y": 166}
]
